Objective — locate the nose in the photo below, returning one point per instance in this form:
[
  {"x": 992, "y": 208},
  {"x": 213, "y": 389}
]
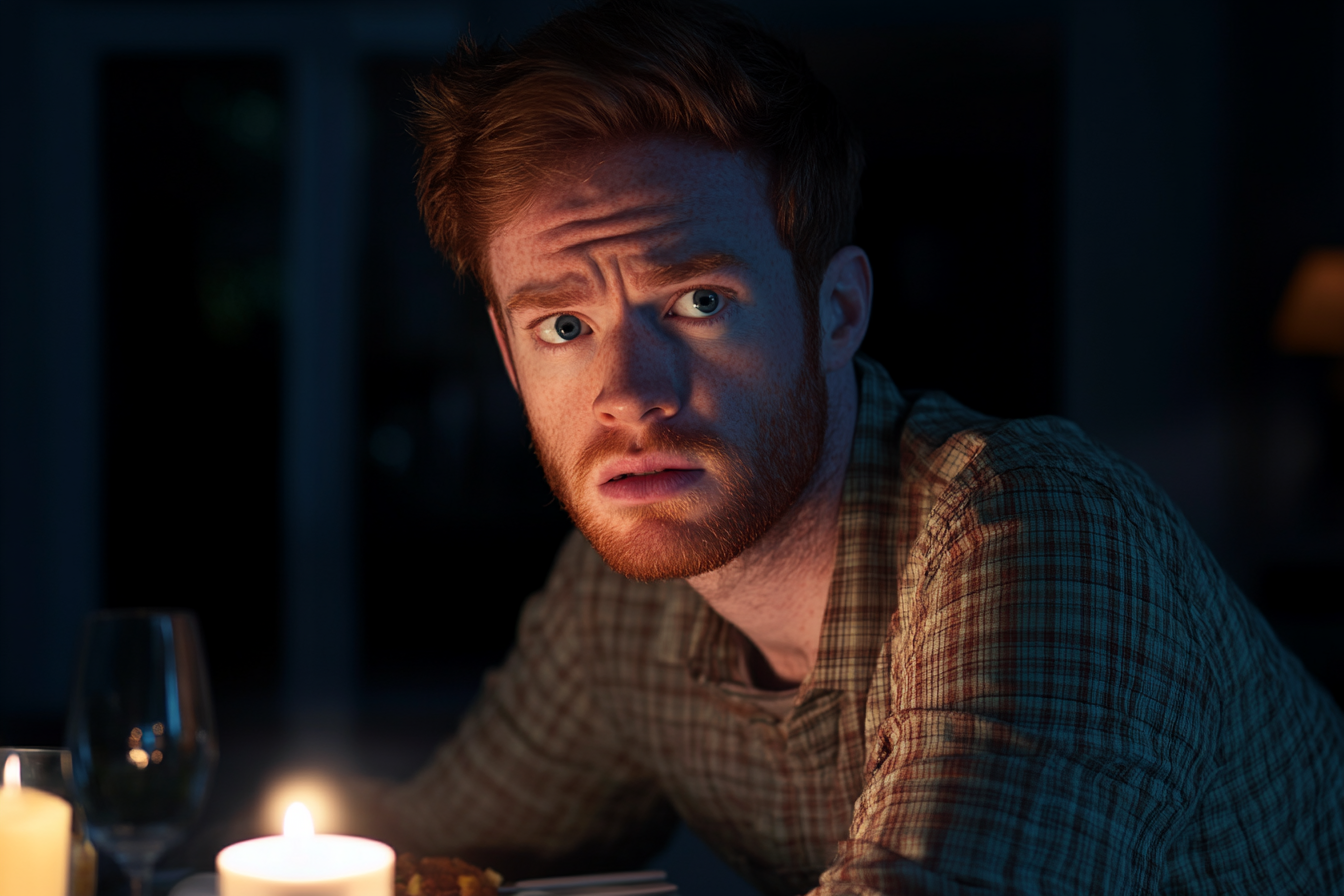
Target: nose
[{"x": 642, "y": 379}]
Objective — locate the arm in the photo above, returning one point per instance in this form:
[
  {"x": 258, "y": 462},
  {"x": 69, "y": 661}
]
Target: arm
[
  {"x": 536, "y": 780},
  {"x": 1051, "y": 709}
]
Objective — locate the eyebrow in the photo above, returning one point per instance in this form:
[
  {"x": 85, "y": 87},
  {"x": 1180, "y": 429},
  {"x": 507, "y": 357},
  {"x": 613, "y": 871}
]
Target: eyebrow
[
  {"x": 543, "y": 299},
  {"x": 695, "y": 266},
  {"x": 567, "y": 295}
]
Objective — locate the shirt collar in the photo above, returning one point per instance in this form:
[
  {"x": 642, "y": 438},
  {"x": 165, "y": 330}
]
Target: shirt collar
[
  {"x": 863, "y": 591},
  {"x": 864, "y": 584}
]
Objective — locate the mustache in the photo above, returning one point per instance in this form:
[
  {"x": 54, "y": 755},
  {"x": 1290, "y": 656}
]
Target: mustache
[{"x": 621, "y": 443}]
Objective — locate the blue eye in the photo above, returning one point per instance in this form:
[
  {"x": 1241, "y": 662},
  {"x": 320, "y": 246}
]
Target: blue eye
[
  {"x": 567, "y": 326},
  {"x": 698, "y": 303},
  {"x": 561, "y": 328}
]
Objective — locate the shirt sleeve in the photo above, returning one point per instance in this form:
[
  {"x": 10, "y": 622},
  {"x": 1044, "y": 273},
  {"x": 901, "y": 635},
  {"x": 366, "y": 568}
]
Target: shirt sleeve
[
  {"x": 1052, "y": 707},
  {"x": 536, "y": 780}
]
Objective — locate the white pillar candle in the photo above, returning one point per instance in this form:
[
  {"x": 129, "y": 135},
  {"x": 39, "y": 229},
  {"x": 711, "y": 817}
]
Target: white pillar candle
[
  {"x": 302, "y": 863},
  {"x": 34, "y": 838}
]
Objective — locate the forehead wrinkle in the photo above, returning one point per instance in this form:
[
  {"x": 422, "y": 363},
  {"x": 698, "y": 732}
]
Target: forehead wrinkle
[
  {"x": 635, "y": 223},
  {"x": 597, "y": 276}
]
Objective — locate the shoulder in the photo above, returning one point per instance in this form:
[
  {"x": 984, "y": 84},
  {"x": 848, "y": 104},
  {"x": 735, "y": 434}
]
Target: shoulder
[
  {"x": 944, "y": 442},
  {"x": 1035, "y": 507},
  {"x": 1042, "y": 545},
  {"x": 955, "y": 460},
  {"x": 922, "y": 449},
  {"x": 1051, "y": 580},
  {"x": 934, "y": 486}
]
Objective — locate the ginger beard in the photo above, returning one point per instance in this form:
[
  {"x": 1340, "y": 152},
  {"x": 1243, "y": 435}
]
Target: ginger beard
[{"x": 677, "y": 538}]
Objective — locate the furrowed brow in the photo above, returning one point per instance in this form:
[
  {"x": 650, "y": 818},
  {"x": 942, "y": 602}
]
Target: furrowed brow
[
  {"x": 567, "y": 295},
  {"x": 696, "y": 266},
  {"x": 543, "y": 299}
]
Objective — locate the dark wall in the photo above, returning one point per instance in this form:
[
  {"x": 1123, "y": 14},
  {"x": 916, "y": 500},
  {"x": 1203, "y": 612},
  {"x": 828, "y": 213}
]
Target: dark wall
[
  {"x": 192, "y": 222},
  {"x": 1285, "y": 196},
  {"x": 962, "y": 130}
]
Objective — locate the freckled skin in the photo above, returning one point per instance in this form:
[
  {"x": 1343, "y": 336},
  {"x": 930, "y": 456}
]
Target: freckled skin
[
  {"x": 673, "y": 202},
  {"x": 586, "y": 245}
]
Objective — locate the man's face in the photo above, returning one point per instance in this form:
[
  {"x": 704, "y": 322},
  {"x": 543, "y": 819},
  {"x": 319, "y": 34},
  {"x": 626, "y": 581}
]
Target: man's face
[{"x": 661, "y": 351}]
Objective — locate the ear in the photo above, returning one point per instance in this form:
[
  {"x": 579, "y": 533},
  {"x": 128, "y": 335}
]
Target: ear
[
  {"x": 846, "y": 302},
  {"x": 502, "y": 340}
]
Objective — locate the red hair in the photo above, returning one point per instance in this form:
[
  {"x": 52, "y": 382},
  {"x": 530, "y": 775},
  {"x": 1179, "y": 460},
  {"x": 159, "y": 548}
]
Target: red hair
[{"x": 496, "y": 122}]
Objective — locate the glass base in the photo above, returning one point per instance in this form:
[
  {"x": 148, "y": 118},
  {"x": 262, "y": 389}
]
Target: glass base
[{"x": 136, "y": 849}]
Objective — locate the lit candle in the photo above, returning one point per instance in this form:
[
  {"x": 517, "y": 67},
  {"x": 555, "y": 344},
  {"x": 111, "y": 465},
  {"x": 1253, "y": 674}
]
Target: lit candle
[
  {"x": 302, "y": 863},
  {"x": 34, "y": 838}
]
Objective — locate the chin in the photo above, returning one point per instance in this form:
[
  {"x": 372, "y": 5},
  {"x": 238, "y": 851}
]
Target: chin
[{"x": 652, "y": 549}]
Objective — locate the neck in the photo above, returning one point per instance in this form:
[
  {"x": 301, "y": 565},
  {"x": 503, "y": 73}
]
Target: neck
[{"x": 775, "y": 591}]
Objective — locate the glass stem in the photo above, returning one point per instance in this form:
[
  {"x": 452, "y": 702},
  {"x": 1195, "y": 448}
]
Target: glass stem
[{"x": 142, "y": 879}]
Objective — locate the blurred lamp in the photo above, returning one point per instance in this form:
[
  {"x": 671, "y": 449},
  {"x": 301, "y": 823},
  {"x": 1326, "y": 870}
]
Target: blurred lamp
[{"x": 1310, "y": 320}]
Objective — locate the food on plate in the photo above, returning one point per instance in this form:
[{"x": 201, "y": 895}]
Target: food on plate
[{"x": 442, "y": 876}]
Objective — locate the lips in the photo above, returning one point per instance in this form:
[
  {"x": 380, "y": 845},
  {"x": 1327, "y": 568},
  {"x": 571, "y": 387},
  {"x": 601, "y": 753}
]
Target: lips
[
  {"x": 652, "y": 465},
  {"x": 647, "y": 477},
  {"x": 649, "y": 486},
  {"x": 624, "y": 466},
  {"x": 621, "y": 476}
]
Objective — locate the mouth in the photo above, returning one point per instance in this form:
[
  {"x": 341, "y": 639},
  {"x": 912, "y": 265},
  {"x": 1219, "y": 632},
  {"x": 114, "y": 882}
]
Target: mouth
[
  {"x": 660, "y": 482},
  {"x": 621, "y": 476}
]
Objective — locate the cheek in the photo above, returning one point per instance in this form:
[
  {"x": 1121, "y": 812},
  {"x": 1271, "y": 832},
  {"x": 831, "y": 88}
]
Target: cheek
[
  {"x": 763, "y": 357},
  {"x": 555, "y": 413},
  {"x": 731, "y": 390}
]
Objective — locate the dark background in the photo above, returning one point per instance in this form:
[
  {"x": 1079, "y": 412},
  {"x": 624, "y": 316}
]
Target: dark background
[{"x": 1087, "y": 209}]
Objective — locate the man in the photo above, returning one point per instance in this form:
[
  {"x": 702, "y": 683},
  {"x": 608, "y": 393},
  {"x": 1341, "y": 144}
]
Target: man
[{"x": 862, "y": 642}]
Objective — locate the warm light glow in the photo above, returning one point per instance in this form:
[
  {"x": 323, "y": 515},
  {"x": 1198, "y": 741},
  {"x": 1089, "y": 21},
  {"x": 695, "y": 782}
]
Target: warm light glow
[
  {"x": 12, "y": 772},
  {"x": 138, "y": 757},
  {"x": 1310, "y": 319},
  {"x": 298, "y": 821},
  {"x": 318, "y": 794}
]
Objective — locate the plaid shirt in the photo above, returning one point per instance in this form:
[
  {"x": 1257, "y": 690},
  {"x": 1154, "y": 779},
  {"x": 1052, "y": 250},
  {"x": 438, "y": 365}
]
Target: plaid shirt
[{"x": 1032, "y": 678}]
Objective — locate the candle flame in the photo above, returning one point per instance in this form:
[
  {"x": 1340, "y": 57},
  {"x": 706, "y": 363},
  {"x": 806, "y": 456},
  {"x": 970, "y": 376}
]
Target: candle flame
[
  {"x": 319, "y": 795},
  {"x": 12, "y": 772},
  {"x": 298, "y": 821}
]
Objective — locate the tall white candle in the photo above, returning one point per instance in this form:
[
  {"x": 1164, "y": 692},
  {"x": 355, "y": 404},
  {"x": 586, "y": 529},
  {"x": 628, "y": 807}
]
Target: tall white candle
[
  {"x": 34, "y": 839},
  {"x": 302, "y": 863}
]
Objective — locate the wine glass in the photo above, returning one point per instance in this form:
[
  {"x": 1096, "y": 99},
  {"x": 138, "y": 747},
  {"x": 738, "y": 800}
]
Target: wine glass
[{"x": 141, "y": 734}]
